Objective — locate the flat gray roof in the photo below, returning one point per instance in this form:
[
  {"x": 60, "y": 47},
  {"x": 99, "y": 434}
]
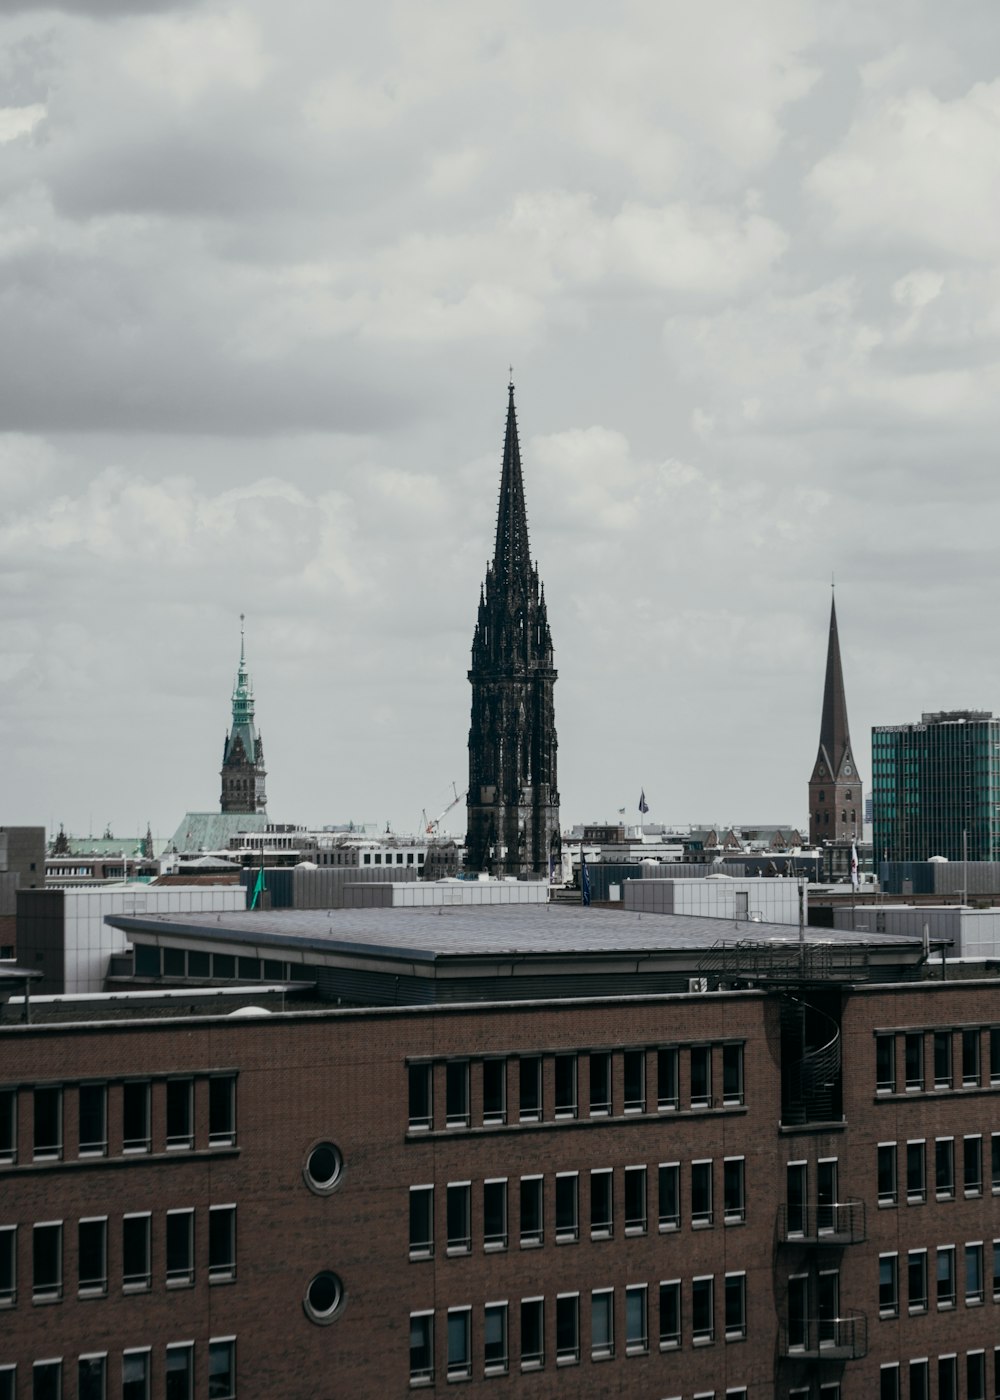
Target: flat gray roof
[{"x": 490, "y": 931}]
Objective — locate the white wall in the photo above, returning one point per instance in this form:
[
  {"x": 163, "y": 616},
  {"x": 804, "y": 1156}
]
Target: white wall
[{"x": 767, "y": 901}]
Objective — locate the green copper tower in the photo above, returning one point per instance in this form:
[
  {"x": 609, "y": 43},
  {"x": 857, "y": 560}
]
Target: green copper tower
[{"x": 243, "y": 771}]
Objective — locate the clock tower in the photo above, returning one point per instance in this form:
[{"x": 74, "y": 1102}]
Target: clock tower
[{"x": 836, "y": 812}]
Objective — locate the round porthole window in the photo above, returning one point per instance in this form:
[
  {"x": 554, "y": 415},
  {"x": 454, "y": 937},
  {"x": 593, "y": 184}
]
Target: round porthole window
[
  {"x": 324, "y": 1298},
  {"x": 323, "y": 1167}
]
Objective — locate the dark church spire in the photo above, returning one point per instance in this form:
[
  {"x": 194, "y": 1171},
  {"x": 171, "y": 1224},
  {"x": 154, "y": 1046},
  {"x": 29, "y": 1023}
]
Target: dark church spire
[
  {"x": 513, "y": 798},
  {"x": 835, "y": 807},
  {"x": 243, "y": 771}
]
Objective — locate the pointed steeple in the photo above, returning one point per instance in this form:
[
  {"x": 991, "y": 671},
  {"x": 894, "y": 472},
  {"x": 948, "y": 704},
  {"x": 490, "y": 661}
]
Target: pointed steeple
[
  {"x": 243, "y": 770},
  {"x": 835, "y": 796},
  {"x": 511, "y": 556}
]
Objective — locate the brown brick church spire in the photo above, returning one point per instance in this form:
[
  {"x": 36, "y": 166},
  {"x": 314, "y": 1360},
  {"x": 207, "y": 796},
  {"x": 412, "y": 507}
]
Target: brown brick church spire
[
  {"x": 513, "y": 798},
  {"x": 835, "y": 807}
]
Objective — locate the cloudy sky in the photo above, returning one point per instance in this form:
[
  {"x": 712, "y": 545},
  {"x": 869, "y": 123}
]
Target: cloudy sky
[{"x": 263, "y": 268}]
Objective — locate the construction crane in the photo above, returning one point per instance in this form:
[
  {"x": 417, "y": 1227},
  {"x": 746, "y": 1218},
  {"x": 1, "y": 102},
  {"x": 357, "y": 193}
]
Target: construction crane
[{"x": 430, "y": 825}]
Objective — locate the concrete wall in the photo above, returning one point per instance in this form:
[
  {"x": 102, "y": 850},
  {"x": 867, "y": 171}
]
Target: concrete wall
[
  {"x": 22, "y": 853},
  {"x": 773, "y": 901}
]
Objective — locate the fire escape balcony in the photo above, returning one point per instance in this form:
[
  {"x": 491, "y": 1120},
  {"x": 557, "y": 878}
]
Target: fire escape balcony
[
  {"x": 837, "y": 1224},
  {"x": 825, "y": 1338}
]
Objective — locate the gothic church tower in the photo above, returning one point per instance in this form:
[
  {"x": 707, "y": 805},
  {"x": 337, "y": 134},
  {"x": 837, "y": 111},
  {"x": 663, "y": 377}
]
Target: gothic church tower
[
  {"x": 513, "y": 798},
  {"x": 836, "y": 812},
  {"x": 243, "y": 770}
]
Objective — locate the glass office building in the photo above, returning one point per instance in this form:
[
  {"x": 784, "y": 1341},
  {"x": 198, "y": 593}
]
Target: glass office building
[{"x": 934, "y": 781}]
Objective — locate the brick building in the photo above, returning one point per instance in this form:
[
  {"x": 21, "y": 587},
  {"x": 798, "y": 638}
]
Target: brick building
[{"x": 563, "y": 1174}]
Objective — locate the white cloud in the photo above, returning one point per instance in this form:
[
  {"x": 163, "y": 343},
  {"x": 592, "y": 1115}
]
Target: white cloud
[{"x": 20, "y": 121}]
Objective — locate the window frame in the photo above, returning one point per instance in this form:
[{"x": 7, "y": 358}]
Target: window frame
[
  {"x": 534, "y": 1360},
  {"x": 422, "y": 1375},
  {"x": 457, "y": 1093},
  {"x": 532, "y": 1238},
  {"x": 496, "y": 1189},
  {"x": 568, "y": 1323},
  {"x": 635, "y": 1193},
  {"x": 420, "y": 1094},
  {"x": 96, "y": 1287},
  {"x": 602, "y": 1203},
  {"x": 500, "y": 1365},
  {"x": 734, "y": 1212},
  {"x": 945, "y": 1253},
  {"x": 422, "y": 1248},
  {"x": 48, "y": 1290},
  {"x": 565, "y": 1233},
  {"x": 216, "y": 1344},
  {"x": 636, "y": 1306},
  {"x": 95, "y": 1147},
  {"x": 633, "y": 1081},
  {"x": 702, "y": 1190},
  {"x": 888, "y": 1284},
  {"x": 602, "y": 1324},
  {"x": 497, "y": 1095},
  {"x": 703, "y": 1300},
  {"x": 137, "y": 1282},
  {"x": 222, "y": 1269},
  {"x": 735, "y": 1290},
  {"x": 670, "y": 1304},
  {"x": 458, "y": 1192}
]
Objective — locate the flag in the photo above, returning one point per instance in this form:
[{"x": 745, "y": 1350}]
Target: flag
[
  {"x": 643, "y": 804},
  {"x": 584, "y": 878},
  {"x": 621, "y": 811},
  {"x": 854, "y": 866},
  {"x": 258, "y": 889}
]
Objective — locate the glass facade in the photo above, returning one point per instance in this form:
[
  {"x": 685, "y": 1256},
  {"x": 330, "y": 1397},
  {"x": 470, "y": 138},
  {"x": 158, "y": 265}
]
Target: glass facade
[{"x": 934, "y": 781}]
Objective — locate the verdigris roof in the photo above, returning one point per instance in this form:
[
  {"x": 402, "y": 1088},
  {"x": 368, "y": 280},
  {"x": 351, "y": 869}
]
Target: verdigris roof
[{"x": 212, "y": 831}]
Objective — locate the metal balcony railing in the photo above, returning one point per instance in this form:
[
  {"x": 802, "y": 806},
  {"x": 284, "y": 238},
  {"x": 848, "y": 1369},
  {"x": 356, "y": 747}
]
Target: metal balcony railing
[
  {"x": 841, "y": 1223},
  {"x": 825, "y": 1338},
  {"x": 811, "y": 1082}
]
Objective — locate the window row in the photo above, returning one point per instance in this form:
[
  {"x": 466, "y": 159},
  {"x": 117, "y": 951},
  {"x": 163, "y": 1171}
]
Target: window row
[
  {"x": 598, "y": 1083},
  {"x": 96, "y": 1378},
  {"x": 173, "y": 1107},
  {"x": 153, "y": 961},
  {"x": 949, "y": 1164},
  {"x": 912, "y": 1380},
  {"x": 559, "y": 1205},
  {"x": 573, "y": 1329},
  {"x": 936, "y": 1059},
  {"x": 45, "y": 1248},
  {"x": 925, "y": 1269}
]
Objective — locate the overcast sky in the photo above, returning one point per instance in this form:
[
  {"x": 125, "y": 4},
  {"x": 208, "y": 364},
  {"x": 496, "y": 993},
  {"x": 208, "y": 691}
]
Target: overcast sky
[{"x": 263, "y": 268}]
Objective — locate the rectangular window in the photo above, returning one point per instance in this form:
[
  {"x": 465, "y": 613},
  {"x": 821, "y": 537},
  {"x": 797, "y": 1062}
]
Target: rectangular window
[
  {"x": 947, "y": 1378},
  {"x": 885, "y": 1064},
  {"x": 532, "y": 1333},
  {"x": 221, "y": 1244},
  {"x": 135, "y": 1116},
  {"x": 421, "y": 1348},
  {"x": 92, "y": 1379},
  {"x": 888, "y": 1285},
  {"x": 222, "y": 1110},
  {"x": 635, "y": 1200},
  {"x": 636, "y": 1325},
  {"x": 456, "y": 1106},
  {"x": 942, "y": 1060},
  {"x": 8, "y": 1382},
  {"x": 736, "y": 1306},
  {"x": 975, "y": 1375},
  {"x": 180, "y": 1248},
  {"x": 668, "y": 1093},
  {"x": 701, "y": 1076},
  {"x": 421, "y": 1222},
  {"x": 495, "y": 1214},
  {"x": 93, "y": 1120},
  {"x": 970, "y": 1058},
  {"x": 495, "y": 1339},
  {"x": 916, "y": 1177},
  {"x": 421, "y": 1080},
  {"x": 530, "y": 1089},
  {"x": 913, "y": 1054},
  {"x": 92, "y": 1257},
  {"x": 601, "y": 1204},
  {"x": 602, "y": 1324},
  {"x": 703, "y": 1310},
  {"x": 135, "y": 1375},
  {"x": 886, "y": 1174},
  {"x": 732, "y": 1074},
  {"x": 946, "y": 1276},
  {"x": 670, "y": 1314},
  {"x": 565, "y": 1090},
  {"x": 972, "y": 1170},
  {"x": 919, "y": 1380},
  {"x": 996, "y": 1271},
  {"x": 995, "y": 1163},
  {"x": 8, "y": 1266},
  {"x": 179, "y": 1372},
  {"x": 995, "y": 1054},
  {"x": 973, "y": 1273},
  {"x": 46, "y": 1247},
  {"x": 600, "y": 1083},
  {"x": 46, "y": 1380},
  {"x": 701, "y": 1193},
  {"x": 634, "y": 1068},
  {"x": 670, "y": 1195},
  {"x": 222, "y": 1369},
  {"x": 180, "y": 1114},
  {"x": 567, "y": 1207},
  {"x": 494, "y": 1091},
  {"x": 795, "y": 1191},
  {"x": 532, "y": 1217},
  {"x": 916, "y": 1280},
  {"x": 459, "y": 1217},
  {"x": 135, "y": 1253},
  {"x": 8, "y": 1125},
  {"x": 48, "y": 1139},
  {"x": 733, "y": 1190},
  {"x": 567, "y": 1328},
  {"x": 889, "y": 1382},
  {"x": 944, "y": 1168}
]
